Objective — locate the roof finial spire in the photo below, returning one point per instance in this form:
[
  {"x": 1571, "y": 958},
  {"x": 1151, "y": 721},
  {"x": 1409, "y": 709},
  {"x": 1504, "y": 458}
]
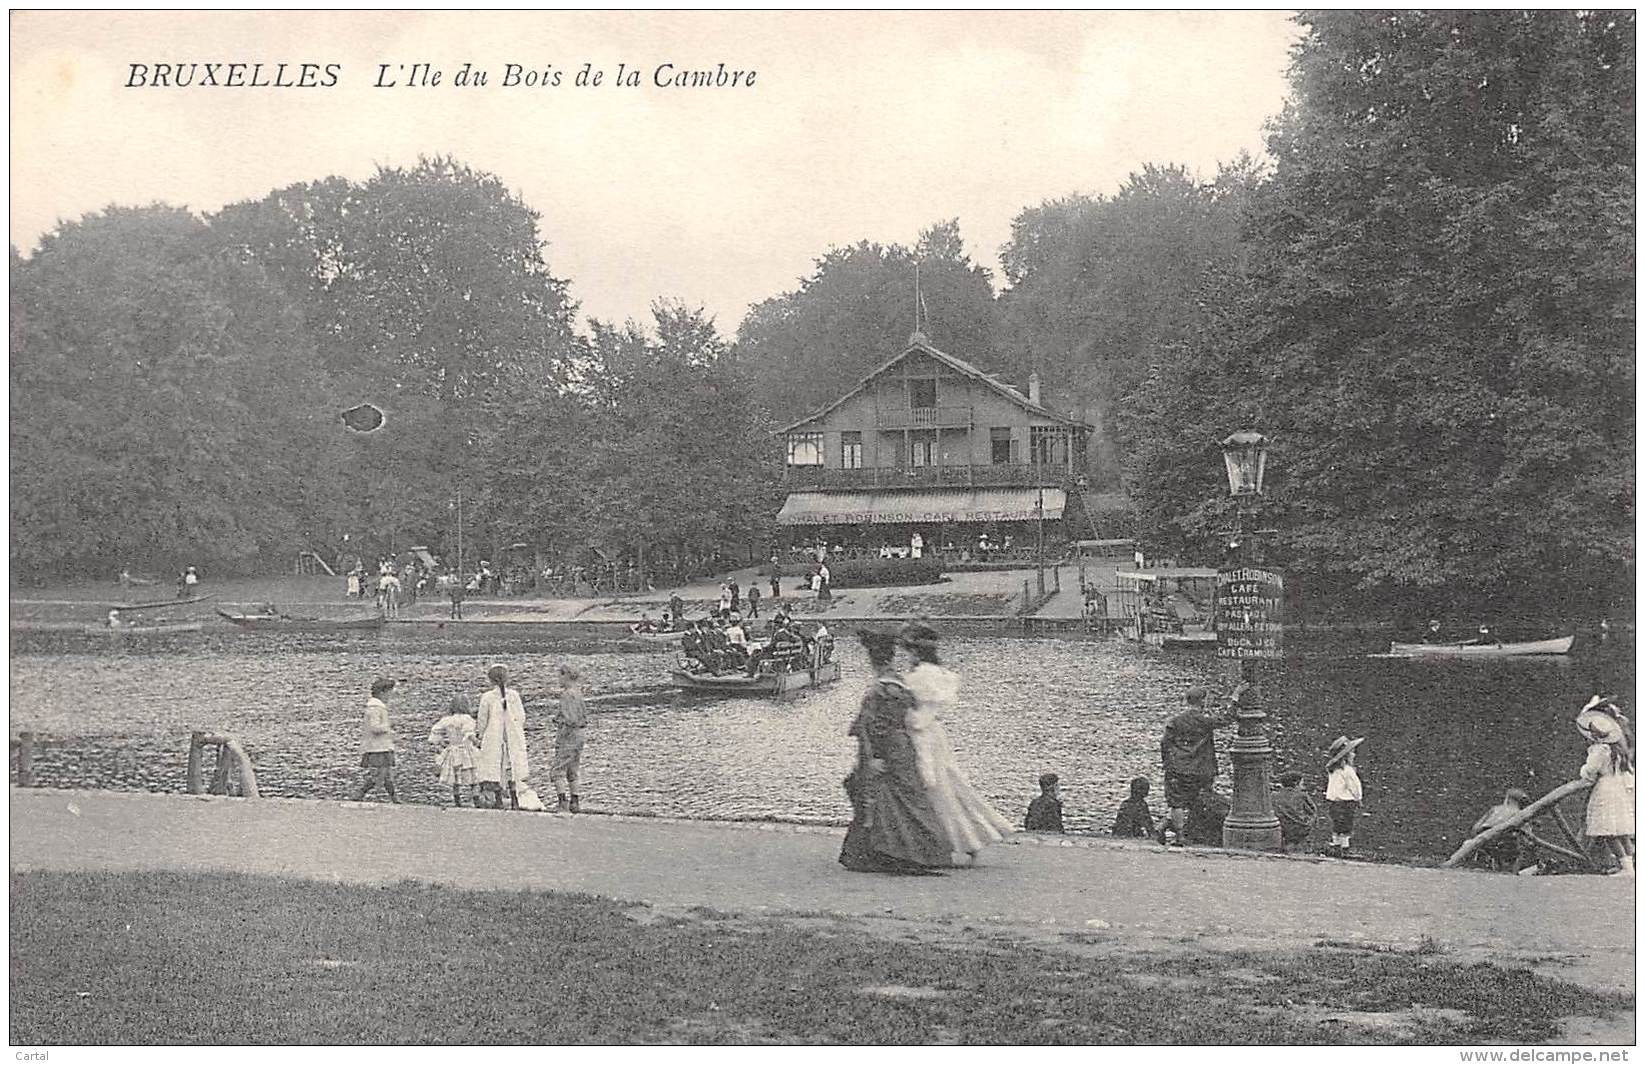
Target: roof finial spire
[{"x": 919, "y": 308}]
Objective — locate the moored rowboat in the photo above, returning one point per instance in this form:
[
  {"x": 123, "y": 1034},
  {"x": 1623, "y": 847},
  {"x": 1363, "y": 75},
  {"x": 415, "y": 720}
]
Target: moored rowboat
[
  {"x": 286, "y": 623},
  {"x": 1557, "y": 646},
  {"x": 658, "y": 637},
  {"x": 146, "y": 630}
]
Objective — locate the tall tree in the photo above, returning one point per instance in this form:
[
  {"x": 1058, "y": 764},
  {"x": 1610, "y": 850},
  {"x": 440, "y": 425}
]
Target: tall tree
[
  {"x": 857, "y": 308},
  {"x": 165, "y": 405},
  {"x": 1440, "y": 315},
  {"x": 681, "y": 461},
  {"x": 1098, "y": 285}
]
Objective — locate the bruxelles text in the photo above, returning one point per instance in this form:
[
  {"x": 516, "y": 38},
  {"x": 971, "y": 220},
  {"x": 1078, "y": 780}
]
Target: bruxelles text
[{"x": 427, "y": 75}]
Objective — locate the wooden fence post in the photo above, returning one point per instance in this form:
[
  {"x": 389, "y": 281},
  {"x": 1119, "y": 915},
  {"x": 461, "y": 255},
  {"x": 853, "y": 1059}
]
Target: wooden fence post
[
  {"x": 219, "y": 776},
  {"x": 196, "y": 741},
  {"x": 25, "y": 759}
]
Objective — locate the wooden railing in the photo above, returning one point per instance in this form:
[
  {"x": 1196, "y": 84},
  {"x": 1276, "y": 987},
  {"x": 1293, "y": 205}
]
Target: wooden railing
[
  {"x": 924, "y": 417},
  {"x": 1022, "y": 474}
]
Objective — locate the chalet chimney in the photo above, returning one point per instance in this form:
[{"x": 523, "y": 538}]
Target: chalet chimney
[{"x": 1034, "y": 389}]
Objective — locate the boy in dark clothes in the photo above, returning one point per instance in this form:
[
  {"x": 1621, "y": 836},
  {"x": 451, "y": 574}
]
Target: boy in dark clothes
[
  {"x": 1134, "y": 819},
  {"x": 1045, "y": 812}
]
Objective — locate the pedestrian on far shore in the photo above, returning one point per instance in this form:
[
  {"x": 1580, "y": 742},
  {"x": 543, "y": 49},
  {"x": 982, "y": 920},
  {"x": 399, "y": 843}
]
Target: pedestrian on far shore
[
  {"x": 1189, "y": 756},
  {"x": 457, "y": 593},
  {"x": 377, "y": 744},
  {"x": 1045, "y": 812},
  {"x": 1342, "y": 792},
  {"x": 571, "y": 729}
]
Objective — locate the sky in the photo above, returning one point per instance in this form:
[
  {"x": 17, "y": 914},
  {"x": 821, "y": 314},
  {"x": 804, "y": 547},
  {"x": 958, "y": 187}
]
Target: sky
[{"x": 858, "y": 125}]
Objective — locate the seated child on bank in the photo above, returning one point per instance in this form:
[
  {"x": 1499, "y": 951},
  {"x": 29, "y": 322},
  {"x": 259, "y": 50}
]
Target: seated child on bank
[
  {"x": 1295, "y": 809},
  {"x": 1045, "y": 812},
  {"x": 1503, "y": 852},
  {"x": 1134, "y": 819}
]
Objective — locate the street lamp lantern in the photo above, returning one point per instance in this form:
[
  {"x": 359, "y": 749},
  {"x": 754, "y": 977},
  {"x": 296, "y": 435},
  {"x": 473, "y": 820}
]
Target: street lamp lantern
[
  {"x": 1249, "y": 600},
  {"x": 1245, "y": 454}
]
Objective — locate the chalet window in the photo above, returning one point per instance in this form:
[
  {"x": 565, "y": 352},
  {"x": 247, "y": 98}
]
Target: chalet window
[
  {"x": 922, "y": 392},
  {"x": 851, "y": 451},
  {"x": 805, "y": 449},
  {"x": 999, "y": 441},
  {"x": 1049, "y": 445}
]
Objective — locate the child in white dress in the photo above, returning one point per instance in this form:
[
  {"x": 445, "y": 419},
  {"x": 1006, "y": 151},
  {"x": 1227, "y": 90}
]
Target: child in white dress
[
  {"x": 1610, "y": 765},
  {"x": 454, "y": 734},
  {"x": 1342, "y": 792}
]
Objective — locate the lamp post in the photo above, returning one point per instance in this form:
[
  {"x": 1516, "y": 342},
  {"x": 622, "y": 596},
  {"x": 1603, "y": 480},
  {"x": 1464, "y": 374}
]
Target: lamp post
[
  {"x": 1247, "y": 614},
  {"x": 1039, "y": 516}
]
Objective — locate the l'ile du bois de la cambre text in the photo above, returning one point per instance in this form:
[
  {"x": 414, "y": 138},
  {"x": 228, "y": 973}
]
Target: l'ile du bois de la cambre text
[{"x": 234, "y": 75}]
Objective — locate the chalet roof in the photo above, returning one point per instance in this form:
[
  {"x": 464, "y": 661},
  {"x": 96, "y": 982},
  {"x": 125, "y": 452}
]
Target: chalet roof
[{"x": 918, "y": 343}]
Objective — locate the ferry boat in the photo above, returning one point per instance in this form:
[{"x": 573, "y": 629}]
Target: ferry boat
[{"x": 774, "y": 682}]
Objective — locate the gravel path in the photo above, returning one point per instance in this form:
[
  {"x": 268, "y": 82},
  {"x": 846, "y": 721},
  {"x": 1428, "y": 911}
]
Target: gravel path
[{"x": 1580, "y": 928}]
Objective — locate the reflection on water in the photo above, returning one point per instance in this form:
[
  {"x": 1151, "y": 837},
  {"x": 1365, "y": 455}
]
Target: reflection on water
[{"x": 1445, "y": 737}]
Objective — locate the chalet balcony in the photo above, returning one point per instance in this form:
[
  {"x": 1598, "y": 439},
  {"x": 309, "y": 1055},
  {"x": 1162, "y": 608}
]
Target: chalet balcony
[
  {"x": 924, "y": 418},
  {"x": 925, "y": 476}
]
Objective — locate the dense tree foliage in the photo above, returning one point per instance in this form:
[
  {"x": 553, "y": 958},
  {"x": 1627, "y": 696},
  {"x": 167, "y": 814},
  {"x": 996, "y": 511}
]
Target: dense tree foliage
[
  {"x": 1436, "y": 322},
  {"x": 856, "y": 310},
  {"x": 1099, "y": 285}
]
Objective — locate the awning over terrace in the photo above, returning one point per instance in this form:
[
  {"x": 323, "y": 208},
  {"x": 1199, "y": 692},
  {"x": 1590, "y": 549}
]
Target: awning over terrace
[{"x": 919, "y": 506}]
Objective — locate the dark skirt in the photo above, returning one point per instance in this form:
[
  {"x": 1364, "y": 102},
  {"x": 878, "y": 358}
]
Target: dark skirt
[
  {"x": 894, "y": 827},
  {"x": 377, "y": 759}
]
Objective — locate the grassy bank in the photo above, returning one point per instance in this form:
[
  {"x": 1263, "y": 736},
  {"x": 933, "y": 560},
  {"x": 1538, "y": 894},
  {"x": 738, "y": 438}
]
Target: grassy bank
[{"x": 207, "y": 958}]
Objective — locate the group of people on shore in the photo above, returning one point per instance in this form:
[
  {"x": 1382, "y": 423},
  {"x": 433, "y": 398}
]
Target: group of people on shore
[{"x": 484, "y": 759}]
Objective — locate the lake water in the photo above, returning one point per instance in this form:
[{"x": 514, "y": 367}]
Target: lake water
[{"x": 1444, "y": 737}]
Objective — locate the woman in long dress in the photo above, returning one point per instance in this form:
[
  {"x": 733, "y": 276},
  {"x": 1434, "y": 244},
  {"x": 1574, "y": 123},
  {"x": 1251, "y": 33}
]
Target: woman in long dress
[
  {"x": 967, "y": 818},
  {"x": 503, "y": 764},
  {"x": 1610, "y": 765},
  {"x": 894, "y": 827}
]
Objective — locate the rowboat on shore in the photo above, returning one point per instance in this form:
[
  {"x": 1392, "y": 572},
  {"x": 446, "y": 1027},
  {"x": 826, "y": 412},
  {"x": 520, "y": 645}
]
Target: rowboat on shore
[
  {"x": 288, "y": 623},
  {"x": 127, "y": 607},
  {"x": 776, "y": 682},
  {"x": 658, "y": 637},
  {"x": 1558, "y": 646},
  {"x": 158, "y": 628}
]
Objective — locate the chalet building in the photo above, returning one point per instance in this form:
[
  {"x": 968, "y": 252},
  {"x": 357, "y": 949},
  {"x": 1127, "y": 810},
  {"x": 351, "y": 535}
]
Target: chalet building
[{"x": 929, "y": 443}]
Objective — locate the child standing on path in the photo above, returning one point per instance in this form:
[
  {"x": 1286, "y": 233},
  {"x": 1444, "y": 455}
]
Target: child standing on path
[
  {"x": 571, "y": 728},
  {"x": 377, "y": 744},
  {"x": 1610, "y": 766},
  {"x": 455, "y": 734},
  {"x": 1342, "y": 792}
]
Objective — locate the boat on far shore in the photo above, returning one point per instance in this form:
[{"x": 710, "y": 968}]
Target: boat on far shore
[
  {"x": 153, "y": 628},
  {"x": 288, "y": 623},
  {"x": 659, "y": 637},
  {"x": 1559, "y": 645}
]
